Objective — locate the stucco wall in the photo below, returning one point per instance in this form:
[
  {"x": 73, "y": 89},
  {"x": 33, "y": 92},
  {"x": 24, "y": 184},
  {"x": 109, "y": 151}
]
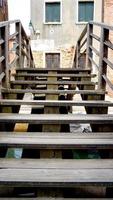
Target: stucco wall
[{"x": 65, "y": 33}]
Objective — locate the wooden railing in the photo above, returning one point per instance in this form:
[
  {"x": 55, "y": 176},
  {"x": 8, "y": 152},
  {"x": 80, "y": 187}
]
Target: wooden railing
[
  {"x": 96, "y": 43},
  {"x": 15, "y": 50}
]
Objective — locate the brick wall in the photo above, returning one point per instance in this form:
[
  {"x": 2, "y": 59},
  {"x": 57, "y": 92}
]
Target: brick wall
[
  {"x": 66, "y": 57},
  {"x": 4, "y": 11}
]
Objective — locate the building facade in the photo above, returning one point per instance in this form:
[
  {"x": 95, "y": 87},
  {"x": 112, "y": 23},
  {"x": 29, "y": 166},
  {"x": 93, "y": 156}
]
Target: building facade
[{"x": 57, "y": 24}]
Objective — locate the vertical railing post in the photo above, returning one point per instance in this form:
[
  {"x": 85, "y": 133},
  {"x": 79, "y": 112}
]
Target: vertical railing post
[
  {"x": 18, "y": 39},
  {"x": 103, "y": 53},
  {"x": 77, "y": 54},
  {"x": 7, "y": 72},
  {"x": 4, "y": 34},
  {"x": 28, "y": 53},
  {"x": 89, "y": 43}
]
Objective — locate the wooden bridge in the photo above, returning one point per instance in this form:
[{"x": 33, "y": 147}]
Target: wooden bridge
[{"x": 40, "y": 157}]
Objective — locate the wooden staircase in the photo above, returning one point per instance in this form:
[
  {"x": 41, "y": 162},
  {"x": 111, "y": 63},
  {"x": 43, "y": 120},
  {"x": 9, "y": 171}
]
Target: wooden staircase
[{"x": 40, "y": 157}]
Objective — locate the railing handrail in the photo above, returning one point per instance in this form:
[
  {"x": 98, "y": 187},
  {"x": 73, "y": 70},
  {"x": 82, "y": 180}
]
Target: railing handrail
[
  {"x": 103, "y": 25},
  {"x": 5, "y": 23},
  {"x": 101, "y": 52},
  {"x": 22, "y": 48}
]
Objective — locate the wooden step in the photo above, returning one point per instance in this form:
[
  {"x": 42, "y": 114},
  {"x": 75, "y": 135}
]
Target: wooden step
[
  {"x": 27, "y": 82},
  {"x": 65, "y": 141},
  {"x": 56, "y": 118},
  {"x": 47, "y": 198},
  {"x": 54, "y": 75},
  {"x": 61, "y": 135},
  {"x": 87, "y": 92},
  {"x": 56, "y": 177},
  {"x": 45, "y": 70},
  {"x": 11, "y": 102},
  {"x": 56, "y": 163}
]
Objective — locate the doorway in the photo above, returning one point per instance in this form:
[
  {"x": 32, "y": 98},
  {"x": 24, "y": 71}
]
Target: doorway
[{"x": 52, "y": 60}]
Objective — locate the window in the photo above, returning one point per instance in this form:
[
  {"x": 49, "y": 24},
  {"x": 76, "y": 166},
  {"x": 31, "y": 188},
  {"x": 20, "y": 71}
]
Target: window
[
  {"x": 85, "y": 11},
  {"x": 53, "y": 12}
]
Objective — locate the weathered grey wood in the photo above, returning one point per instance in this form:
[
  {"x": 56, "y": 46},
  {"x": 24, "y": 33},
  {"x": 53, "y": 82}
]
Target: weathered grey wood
[
  {"x": 22, "y": 91},
  {"x": 11, "y": 102},
  {"x": 59, "y": 135},
  {"x": 2, "y": 58},
  {"x": 70, "y": 70},
  {"x": 56, "y": 177},
  {"x": 56, "y": 118},
  {"x": 22, "y": 82},
  {"x": 109, "y": 63},
  {"x": 55, "y": 142},
  {"x": 2, "y": 75},
  {"x": 1, "y": 41},
  {"x": 95, "y": 50},
  {"x": 13, "y": 35},
  {"x": 95, "y": 37},
  {"x": 89, "y": 44},
  {"x": 51, "y": 127},
  {"x": 53, "y": 75},
  {"x": 50, "y": 198},
  {"x": 56, "y": 163},
  {"x": 18, "y": 38},
  {"x": 103, "y": 53}
]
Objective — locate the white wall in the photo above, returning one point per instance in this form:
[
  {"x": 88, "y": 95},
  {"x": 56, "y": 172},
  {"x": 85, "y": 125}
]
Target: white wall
[{"x": 20, "y": 9}]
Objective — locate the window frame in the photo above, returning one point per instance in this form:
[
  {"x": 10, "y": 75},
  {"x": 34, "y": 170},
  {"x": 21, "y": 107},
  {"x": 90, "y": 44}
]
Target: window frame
[
  {"x": 77, "y": 12},
  {"x": 44, "y": 11}
]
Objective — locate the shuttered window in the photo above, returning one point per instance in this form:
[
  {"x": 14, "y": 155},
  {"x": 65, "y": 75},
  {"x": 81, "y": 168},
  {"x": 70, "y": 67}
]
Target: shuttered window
[
  {"x": 52, "y": 12},
  {"x": 86, "y": 10}
]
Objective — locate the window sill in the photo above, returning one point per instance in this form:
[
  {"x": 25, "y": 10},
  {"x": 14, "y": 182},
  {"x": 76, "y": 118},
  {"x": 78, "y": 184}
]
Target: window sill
[
  {"x": 52, "y": 23},
  {"x": 81, "y": 23}
]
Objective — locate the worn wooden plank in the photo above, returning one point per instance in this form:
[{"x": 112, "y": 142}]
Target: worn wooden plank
[
  {"x": 56, "y": 118},
  {"x": 11, "y": 102},
  {"x": 56, "y": 164},
  {"x": 2, "y": 58},
  {"x": 103, "y": 53},
  {"x": 50, "y": 198},
  {"x": 2, "y": 75},
  {"x": 52, "y": 142},
  {"x": 24, "y": 109},
  {"x": 53, "y": 69},
  {"x": 54, "y": 75},
  {"x": 27, "y": 82},
  {"x": 59, "y": 135},
  {"x": 56, "y": 177},
  {"x": 51, "y": 127},
  {"x": 22, "y": 91}
]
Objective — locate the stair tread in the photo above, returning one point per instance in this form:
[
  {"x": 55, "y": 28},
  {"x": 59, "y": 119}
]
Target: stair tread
[
  {"x": 50, "y": 198},
  {"x": 56, "y": 177},
  {"x": 56, "y": 163},
  {"x": 27, "y": 82},
  {"x": 92, "y": 92},
  {"x": 95, "y": 103},
  {"x": 58, "y": 135},
  {"x": 55, "y": 69},
  {"x": 56, "y": 142},
  {"x": 54, "y": 75},
  {"x": 57, "y": 118}
]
